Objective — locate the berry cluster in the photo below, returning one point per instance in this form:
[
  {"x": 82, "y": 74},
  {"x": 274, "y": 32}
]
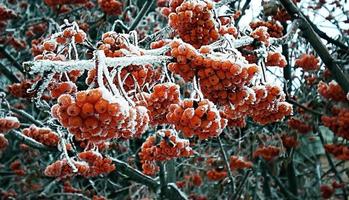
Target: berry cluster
[
  {"x": 36, "y": 30},
  {"x": 274, "y": 28},
  {"x": 299, "y": 125},
  {"x": 261, "y": 34},
  {"x": 43, "y": 135},
  {"x": 57, "y": 89},
  {"x": 49, "y": 46},
  {"x": 137, "y": 75},
  {"x": 264, "y": 104},
  {"x": 338, "y": 123},
  {"x": 308, "y": 62},
  {"x": 331, "y": 91},
  {"x": 61, "y": 168},
  {"x": 133, "y": 76},
  {"x": 159, "y": 100},
  {"x": 93, "y": 115},
  {"x": 190, "y": 180},
  {"x": 135, "y": 124},
  {"x": 97, "y": 163},
  {"x": 217, "y": 74},
  {"x": 6, "y": 13},
  {"x": 289, "y": 141},
  {"x": 276, "y": 59},
  {"x": 193, "y": 21},
  {"x": 270, "y": 105},
  {"x": 268, "y": 153},
  {"x": 165, "y": 145},
  {"x": 237, "y": 163},
  {"x": 17, "y": 167},
  {"x": 22, "y": 89},
  {"x": 110, "y": 7},
  {"x": 117, "y": 45},
  {"x": 326, "y": 191},
  {"x": 194, "y": 117},
  {"x": 8, "y": 123},
  {"x": 92, "y": 164},
  {"x": 341, "y": 152},
  {"x": 3, "y": 142},
  {"x": 216, "y": 174}
]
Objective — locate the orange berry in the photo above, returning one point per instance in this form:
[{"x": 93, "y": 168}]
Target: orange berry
[
  {"x": 65, "y": 100},
  {"x": 73, "y": 110},
  {"x": 75, "y": 121},
  {"x": 113, "y": 109},
  {"x": 87, "y": 109},
  {"x": 91, "y": 123},
  {"x": 93, "y": 95},
  {"x": 101, "y": 106}
]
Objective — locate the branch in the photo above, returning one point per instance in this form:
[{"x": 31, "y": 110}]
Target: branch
[
  {"x": 227, "y": 165},
  {"x": 293, "y": 102},
  {"x": 8, "y": 74},
  {"x": 323, "y": 35},
  {"x": 141, "y": 14},
  {"x": 316, "y": 43},
  {"x": 25, "y": 115},
  {"x": 30, "y": 141},
  {"x": 239, "y": 189},
  {"x": 11, "y": 59},
  {"x": 243, "y": 10},
  {"x": 135, "y": 174},
  {"x": 283, "y": 189},
  {"x": 42, "y": 66}
]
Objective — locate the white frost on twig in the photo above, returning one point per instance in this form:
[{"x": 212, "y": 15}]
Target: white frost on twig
[{"x": 42, "y": 66}]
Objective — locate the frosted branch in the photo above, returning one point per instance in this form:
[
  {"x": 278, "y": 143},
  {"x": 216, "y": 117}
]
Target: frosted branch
[{"x": 42, "y": 66}]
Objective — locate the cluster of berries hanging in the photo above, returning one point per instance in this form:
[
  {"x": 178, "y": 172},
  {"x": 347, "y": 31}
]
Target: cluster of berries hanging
[
  {"x": 110, "y": 7},
  {"x": 289, "y": 141},
  {"x": 194, "y": 180},
  {"x": 135, "y": 124},
  {"x": 308, "y": 62},
  {"x": 264, "y": 104},
  {"x": 217, "y": 73},
  {"x": 276, "y": 59},
  {"x": 237, "y": 163},
  {"x": 338, "y": 123},
  {"x": 162, "y": 146},
  {"x": 57, "y": 89},
  {"x": 196, "y": 117},
  {"x": 94, "y": 115},
  {"x": 268, "y": 152},
  {"x": 331, "y": 91},
  {"x": 6, "y": 13},
  {"x": 17, "y": 167},
  {"x": 341, "y": 152},
  {"x": 133, "y": 77},
  {"x": 22, "y": 89},
  {"x": 299, "y": 125},
  {"x": 159, "y": 100},
  {"x": 43, "y": 135},
  {"x": 274, "y": 28},
  {"x": 90, "y": 164},
  {"x": 3, "y": 142},
  {"x": 8, "y": 123},
  {"x": 216, "y": 170},
  {"x": 194, "y": 22}
]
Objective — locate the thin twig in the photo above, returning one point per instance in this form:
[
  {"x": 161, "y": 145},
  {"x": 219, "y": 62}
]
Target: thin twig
[{"x": 227, "y": 165}]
